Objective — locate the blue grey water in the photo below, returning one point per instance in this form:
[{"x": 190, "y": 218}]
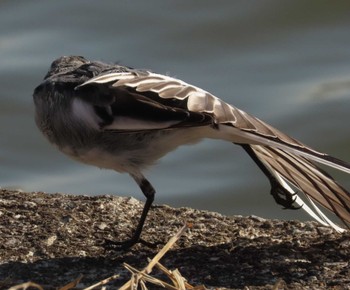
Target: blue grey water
[{"x": 287, "y": 62}]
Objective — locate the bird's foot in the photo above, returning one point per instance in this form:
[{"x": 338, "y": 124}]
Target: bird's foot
[{"x": 283, "y": 197}]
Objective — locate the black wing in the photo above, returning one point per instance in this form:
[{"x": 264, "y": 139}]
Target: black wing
[{"x": 125, "y": 109}]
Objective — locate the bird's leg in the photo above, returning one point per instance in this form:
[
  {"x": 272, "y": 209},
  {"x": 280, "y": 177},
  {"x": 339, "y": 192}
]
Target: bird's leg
[
  {"x": 281, "y": 195},
  {"x": 149, "y": 192}
]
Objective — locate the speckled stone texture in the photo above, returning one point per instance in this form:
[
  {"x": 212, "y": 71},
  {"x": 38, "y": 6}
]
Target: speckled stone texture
[{"x": 51, "y": 239}]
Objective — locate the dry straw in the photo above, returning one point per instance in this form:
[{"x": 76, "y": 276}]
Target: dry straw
[{"x": 139, "y": 278}]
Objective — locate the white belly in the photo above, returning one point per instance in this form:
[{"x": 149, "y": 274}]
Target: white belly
[{"x": 131, "y": 161}]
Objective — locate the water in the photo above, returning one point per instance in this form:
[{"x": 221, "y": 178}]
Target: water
[{"x": 287, "y": 62}]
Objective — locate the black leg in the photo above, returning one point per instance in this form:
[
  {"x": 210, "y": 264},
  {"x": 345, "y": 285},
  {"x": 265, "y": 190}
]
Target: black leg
[
  {"x": 149, "y": 192},
  {"x": 281, "y": 195}
]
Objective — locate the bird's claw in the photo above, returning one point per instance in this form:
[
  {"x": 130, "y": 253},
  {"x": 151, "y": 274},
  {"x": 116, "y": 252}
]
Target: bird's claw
[{"x": 284, "y": 197}]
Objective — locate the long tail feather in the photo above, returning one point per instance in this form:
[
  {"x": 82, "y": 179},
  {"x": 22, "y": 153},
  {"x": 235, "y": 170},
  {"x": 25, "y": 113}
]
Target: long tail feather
[
  {"x": 314, "y": 182},
  {"x": 296, "y": 148}
]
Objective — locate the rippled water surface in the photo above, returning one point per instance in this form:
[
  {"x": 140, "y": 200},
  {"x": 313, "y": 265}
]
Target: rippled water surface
[{"x": 287, "y": 62}]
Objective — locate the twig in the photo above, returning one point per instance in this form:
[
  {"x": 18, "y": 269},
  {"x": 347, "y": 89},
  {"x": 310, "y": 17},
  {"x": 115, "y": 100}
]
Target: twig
[
  {"x": 103, "y": 282},
  {"x": 26, "y": 285},
  {"x": 148, "y": 269}
]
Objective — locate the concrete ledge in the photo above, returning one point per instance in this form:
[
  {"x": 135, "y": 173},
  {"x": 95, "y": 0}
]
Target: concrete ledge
[{"x": 51, "y": 239}]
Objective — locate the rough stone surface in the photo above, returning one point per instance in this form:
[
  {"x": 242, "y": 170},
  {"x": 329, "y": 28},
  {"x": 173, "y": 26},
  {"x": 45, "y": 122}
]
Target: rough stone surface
[{"x": 51, "y": 239}]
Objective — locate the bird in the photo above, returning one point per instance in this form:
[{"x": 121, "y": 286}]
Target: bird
[{"x": 125, "y": 119}]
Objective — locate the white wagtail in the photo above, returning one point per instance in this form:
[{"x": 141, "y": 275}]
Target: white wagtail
[{"x": 125, "y": 119}]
